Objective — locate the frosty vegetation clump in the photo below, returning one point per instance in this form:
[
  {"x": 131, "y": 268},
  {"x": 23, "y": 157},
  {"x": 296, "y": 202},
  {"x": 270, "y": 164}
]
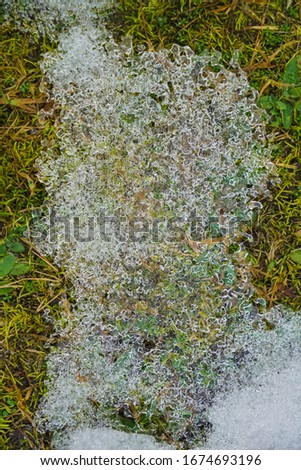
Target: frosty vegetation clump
[
  {"x": 158, "y": 160},
  {"x": 159, "y": 141},
  {"x": 254, "y": 407},
  {"x": 50, "y": 17}
]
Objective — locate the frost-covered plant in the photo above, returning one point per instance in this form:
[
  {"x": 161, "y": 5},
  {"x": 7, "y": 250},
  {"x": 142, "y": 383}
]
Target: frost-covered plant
[
  {"x": 160, "y": 136},
  {"x": 49, "y": 17},
  {"x": 157, "y": 162},
  {"x": 257, "y": 406}
]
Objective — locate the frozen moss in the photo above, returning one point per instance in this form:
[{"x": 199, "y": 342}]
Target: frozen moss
[
  {"x": 154, "y": 175},
  {"x": 50, "y": 17}
]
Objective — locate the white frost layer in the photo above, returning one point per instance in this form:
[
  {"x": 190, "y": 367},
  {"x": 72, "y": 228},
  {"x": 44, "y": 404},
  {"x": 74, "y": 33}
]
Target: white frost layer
[
  {"x": 265, "y": 415},
  {"x": 261, "y": 408},
  {"x": 108, "y": 439}
]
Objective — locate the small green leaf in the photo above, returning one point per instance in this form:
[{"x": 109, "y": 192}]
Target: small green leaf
[
  {"x": 15, "y": 247},
  {"x": 281, "y": 105},
  {"x": 271, "y": 266},
  {"x": 19, "y": 269},
  {"x": 295, "y": 256},
  {"x": 162, "y": 20},
  {"x": 292, "y": 92},
  {"x": 2, "y": 249},
  {"x": 11, "y": 402},
  {"x": 286, "y": 110},
  {"x": 276, "y": 121},
  {"x": 291, "y": 71},
  {"x": 298, "y": 106},
  {"x": 6, "y": 264},
  {"x": 267, "y": 101},
  {"x": 5, "y": 290}
]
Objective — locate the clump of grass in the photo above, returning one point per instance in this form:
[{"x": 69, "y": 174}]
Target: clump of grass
[
  {"x": 29, "y": 282},
  {"x": 276, "y": 233}
]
